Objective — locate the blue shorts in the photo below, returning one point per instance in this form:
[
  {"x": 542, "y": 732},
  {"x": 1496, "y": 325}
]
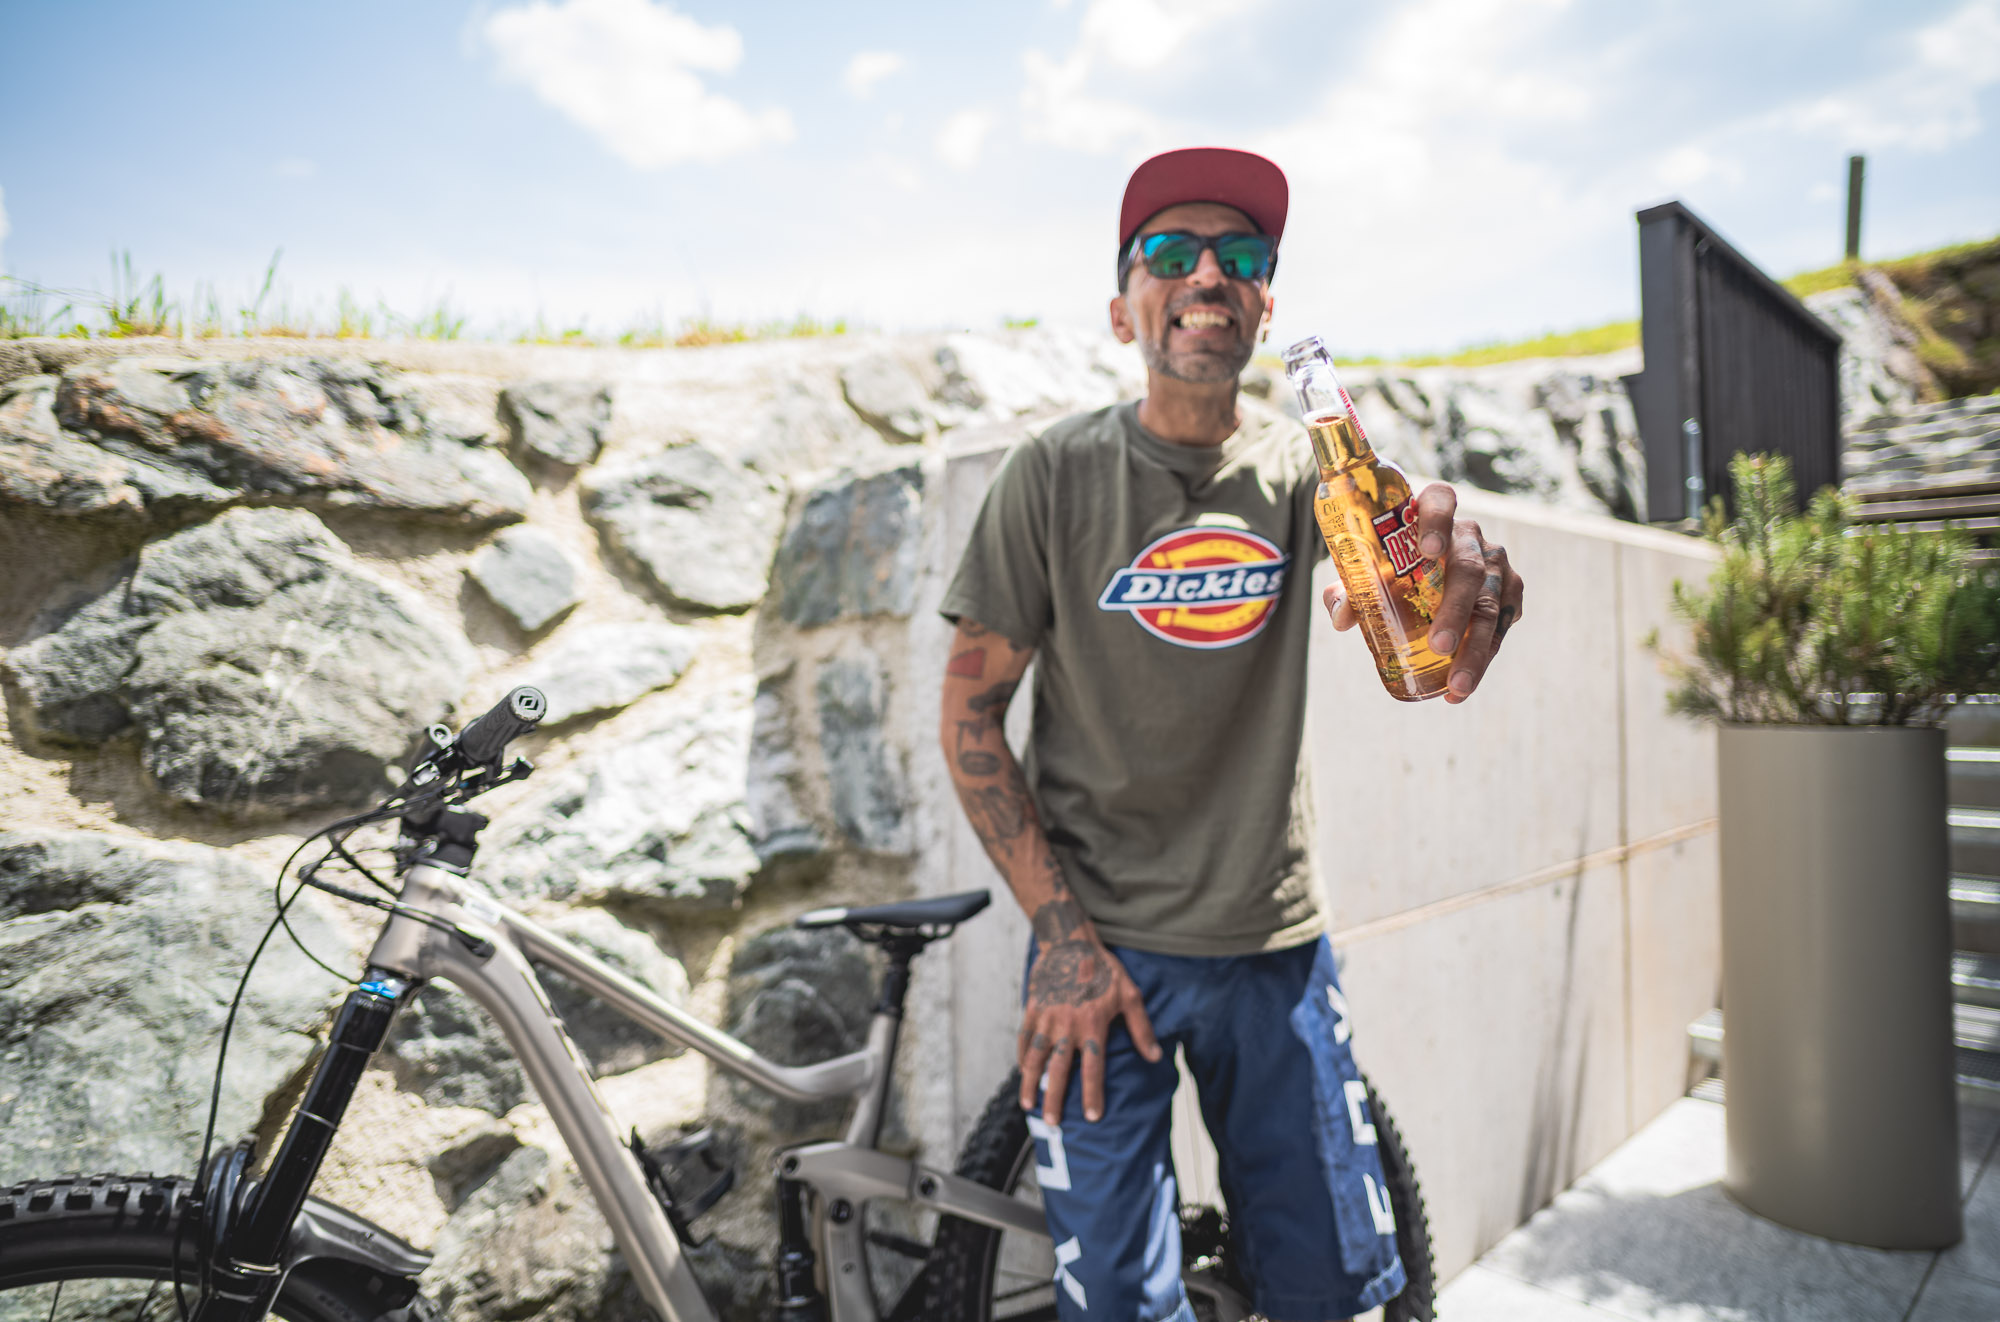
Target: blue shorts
[{"x": 1266, "y": 1039}]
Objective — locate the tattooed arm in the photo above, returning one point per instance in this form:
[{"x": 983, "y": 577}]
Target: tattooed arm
[{"x": 1077, "y": 987}]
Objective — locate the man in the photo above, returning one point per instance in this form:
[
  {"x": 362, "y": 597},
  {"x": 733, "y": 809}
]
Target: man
[{"x": 1158, "y": 839}]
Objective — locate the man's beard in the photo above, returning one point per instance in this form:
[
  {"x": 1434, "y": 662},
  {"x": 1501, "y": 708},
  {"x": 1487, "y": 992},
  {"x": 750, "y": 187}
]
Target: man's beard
[{"x": 1204, "y": 368}]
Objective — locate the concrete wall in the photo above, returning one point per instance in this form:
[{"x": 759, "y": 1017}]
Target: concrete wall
[{"x": 1523, "y": 888}]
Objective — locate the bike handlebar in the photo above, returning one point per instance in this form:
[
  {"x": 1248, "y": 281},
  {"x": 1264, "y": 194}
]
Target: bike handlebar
[{"x": 487, "y": 738}]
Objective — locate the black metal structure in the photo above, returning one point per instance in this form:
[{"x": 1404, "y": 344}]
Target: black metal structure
[{"x": 1733, "y": 363}]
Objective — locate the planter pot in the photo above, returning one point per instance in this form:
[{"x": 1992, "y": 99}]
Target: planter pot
[{"x": 1836, "y": 943}]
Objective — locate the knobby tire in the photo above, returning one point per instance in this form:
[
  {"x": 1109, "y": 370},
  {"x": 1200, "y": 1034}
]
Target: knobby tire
[{"x": 132, "y": 1228}]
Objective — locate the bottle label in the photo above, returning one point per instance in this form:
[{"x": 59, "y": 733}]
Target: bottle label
[{"x": 1398, "y": 531}]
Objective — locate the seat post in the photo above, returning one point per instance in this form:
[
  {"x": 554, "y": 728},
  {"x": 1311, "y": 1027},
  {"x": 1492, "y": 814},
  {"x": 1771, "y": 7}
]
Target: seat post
[{"x": 899, "y": 948}]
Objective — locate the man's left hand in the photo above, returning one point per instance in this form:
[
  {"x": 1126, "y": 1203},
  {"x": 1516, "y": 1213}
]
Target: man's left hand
[{"x": 1482, "y": 593}]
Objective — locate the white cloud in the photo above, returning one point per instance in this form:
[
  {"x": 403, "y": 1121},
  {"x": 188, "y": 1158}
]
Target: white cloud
[
  {"x": 627, "y": 71},
  {"x": 961, "y": 138},
  {"x": 1928, "y": 102},
  {"x": 868, "y": 68},
  {"x": 1138, "y": 36},
  {"x": 294, "y": 167}
]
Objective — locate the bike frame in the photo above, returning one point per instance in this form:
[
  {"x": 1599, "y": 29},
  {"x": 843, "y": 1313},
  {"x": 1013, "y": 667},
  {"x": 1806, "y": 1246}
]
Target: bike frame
[{"x": 483, "y": 948}]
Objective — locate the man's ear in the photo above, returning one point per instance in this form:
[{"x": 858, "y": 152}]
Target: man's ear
[
  {"x": 1121, "y": 321},
  {"x": 1264, "y": 323}
]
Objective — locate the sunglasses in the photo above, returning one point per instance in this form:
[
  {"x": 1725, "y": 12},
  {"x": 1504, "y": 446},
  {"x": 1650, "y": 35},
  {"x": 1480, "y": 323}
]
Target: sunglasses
[{"x": 1172, "y": 256}]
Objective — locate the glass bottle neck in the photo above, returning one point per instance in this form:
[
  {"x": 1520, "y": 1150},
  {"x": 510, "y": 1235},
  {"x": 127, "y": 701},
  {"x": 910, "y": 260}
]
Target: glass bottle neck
[{"x": 1337, "y": 443}]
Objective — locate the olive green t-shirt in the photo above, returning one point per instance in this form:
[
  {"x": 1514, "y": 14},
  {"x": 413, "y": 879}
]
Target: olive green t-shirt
[{"x": 1166, "y": 590}]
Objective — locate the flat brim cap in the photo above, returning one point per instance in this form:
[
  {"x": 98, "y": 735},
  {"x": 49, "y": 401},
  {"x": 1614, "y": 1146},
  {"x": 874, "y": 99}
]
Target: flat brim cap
[{"x": 1252, "y": 184}]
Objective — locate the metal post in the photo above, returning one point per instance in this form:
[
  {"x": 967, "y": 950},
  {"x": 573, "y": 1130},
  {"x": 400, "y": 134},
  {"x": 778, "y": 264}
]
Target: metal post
[
  {"x": 1856, "y": 167},
  {"x": 1697, "y": 482}
]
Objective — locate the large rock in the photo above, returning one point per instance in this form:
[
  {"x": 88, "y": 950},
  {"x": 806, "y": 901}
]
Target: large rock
[
  {"x": 260, "y": 667},
  {"x": 531, "y": 1243},
  {"x": 799, "y": 998},
  {"x": 853, "y": 550},
  {"x": 890, "y": 397},
  {"x": 118, "y": 958},
  {"x": 870, "y": 794},
  {"x": 527, "y": 574},
  {"x": 659, "y": 819},
  {"x": 1558, "y": 431},
  {"x": 561, "y": 422},
  {"x": 801, "y": 431},
  {"x": 996, "y": 377},
  {"x": 149, "y": 438},
  {"x": 779, "y": 825},
  {"x": 605, "y": 667},
  {"x": 1879, "y": 370},
  {"x": 446, "y": 1050},
  {"x": 698, "y": 528}
]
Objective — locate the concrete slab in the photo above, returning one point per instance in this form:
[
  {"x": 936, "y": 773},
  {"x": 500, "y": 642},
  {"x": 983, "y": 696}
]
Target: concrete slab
[
  {"x": 1650, "y": 1234},
  {"x": 1507, "y": 1077},
  {"x": 1669, "y": 761},
  {"x": 1674, "y": 912},
  {"x": 1550, "y": 701},
  {"x": 1483, "y": 1295},
  {"x": 1978, "y": 1254},
  {"x": 1952, "y": 1296}
]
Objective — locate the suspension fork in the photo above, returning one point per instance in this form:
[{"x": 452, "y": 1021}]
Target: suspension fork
[{"x": 249, "y": 1265}]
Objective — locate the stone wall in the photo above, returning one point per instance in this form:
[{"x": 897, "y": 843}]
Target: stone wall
[{"x": 237, "y": 577}]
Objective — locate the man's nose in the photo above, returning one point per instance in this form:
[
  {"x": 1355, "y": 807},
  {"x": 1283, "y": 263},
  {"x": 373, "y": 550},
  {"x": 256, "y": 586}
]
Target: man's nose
[{"x": 1207, "y": 273}]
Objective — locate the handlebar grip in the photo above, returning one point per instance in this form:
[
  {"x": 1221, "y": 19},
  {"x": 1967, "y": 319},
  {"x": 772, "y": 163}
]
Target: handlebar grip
[{"x": 487, "y": 738}]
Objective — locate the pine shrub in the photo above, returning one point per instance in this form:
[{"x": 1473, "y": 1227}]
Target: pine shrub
[{"x": 1811, "y": 619}]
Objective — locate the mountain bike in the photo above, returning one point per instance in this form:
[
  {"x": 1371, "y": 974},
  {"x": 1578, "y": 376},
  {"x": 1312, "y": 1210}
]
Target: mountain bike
[{"x": 233, "y": 1244}]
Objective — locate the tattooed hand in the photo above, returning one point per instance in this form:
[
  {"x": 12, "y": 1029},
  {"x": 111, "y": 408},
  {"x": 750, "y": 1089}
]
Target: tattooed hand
[
  {"x": 1078, "y": 987},
  {"x": 1076, "y": 990}
]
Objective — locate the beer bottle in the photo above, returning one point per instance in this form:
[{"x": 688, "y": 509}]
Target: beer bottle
[{"x": 1369, "y": 519}]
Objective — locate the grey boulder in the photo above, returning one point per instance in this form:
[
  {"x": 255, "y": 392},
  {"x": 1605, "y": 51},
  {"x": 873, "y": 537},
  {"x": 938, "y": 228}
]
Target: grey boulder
[
  {"x": 799, "y": 998},
  {"x": 870, "y": 795},
  {"x": 562, "y": 422},
  {"x": 446, "y": 1050},
  {"x": 118, "y": 957},
  {"x": 698, "y": 528},
  {"x": 854, "y": 549},
  {"x": 149, "y": 438},
  {"x": 528, "y": 575},
  {"x": 605, "y": 667},
  {"x": 261, "y": 669},
  {"x": 658, "y": 820},
  {"x": 890, "y": 397}
]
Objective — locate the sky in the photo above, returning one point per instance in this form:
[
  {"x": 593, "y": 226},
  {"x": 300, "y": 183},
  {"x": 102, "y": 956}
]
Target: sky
[{"x": 1462, "y": 170}]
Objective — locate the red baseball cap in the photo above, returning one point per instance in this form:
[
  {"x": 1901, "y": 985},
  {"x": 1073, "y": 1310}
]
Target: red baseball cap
[{"x": 1244, "y": 180}]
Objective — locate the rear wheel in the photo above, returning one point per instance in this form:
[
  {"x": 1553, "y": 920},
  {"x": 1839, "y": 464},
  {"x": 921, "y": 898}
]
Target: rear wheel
[
  {"x": 978, "y": 1274},
  {"x": 104, "y": 1247}
]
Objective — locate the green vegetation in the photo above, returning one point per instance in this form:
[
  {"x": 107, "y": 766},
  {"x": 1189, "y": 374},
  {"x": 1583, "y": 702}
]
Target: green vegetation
[
  {"x": 1811, "y": 620},
  {"x": 143, "y": 306},
  {"x": 1916, "y": 271}
]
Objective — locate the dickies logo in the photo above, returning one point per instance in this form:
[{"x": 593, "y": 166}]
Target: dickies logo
[{"x": 1201, "y": 587}]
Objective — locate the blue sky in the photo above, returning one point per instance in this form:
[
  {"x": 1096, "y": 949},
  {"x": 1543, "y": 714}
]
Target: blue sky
[{"x": 1462, "y": 169}]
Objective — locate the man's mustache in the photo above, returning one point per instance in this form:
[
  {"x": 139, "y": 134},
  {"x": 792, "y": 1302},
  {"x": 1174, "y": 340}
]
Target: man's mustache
[{"x": 1196, "y": 298}]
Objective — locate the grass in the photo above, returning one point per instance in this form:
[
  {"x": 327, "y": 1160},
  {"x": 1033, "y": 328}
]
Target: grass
[
  {"x": 1617, "y": 335},
  {"x": 138, "y": 306}
]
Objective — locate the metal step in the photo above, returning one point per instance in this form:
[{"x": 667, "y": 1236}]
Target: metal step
[
  {"x": 1975, "y": 841},
  {"x": 1975, "y": 1028},
  {"x": 1975, "y": 979},
  {"x": 1975, "y": 914},
  {"x": 1973, "y": 725},
  {"x": 1974, "y": 777}
]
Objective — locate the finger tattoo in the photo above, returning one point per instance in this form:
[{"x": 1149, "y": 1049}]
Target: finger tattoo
[
  {"x": 1063, "y": 1047},
  {"x": 1507, "y": 614},
  {"x": 1040, "y": 1042},
  {"x": 1093, "y": 1048}
]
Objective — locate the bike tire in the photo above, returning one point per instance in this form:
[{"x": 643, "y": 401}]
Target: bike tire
[
  {"x": 960, "y": 1278},
  {"x": 124, "y": 1234}
]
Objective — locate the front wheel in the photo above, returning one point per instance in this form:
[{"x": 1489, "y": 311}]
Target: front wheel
[
  {"x": 101, "y": 1247},
  {"x": 977, "y": 1274}
]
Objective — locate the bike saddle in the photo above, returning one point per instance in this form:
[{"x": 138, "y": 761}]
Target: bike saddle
[{"x": 938, "y": 911}]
